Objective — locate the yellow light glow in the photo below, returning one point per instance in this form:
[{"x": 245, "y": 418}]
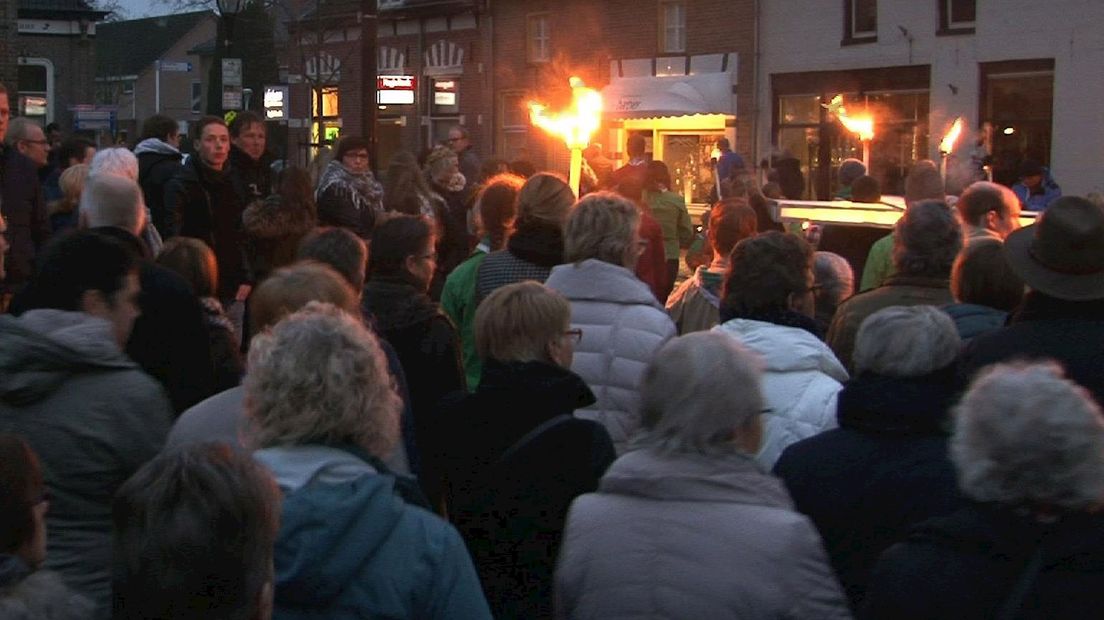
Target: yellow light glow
[
  {"x": 952, "y": 135},
  {"x": 578, "y": 123},
  {"x": 861, "y": 124},
  {"x": 1009, "y": 131}
]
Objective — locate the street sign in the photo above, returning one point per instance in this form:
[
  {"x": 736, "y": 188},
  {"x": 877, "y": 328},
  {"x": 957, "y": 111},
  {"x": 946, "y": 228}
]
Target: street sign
[
  {"x": 276, "y": 102},
  {"x": 176, "y": 67},
  {"x": 231, "y": 72},
  {"x": 231, "y": 97}
]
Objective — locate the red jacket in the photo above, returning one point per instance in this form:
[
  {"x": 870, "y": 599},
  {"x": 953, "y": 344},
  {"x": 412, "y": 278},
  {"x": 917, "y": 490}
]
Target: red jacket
[{"x": 652, "y": 266}]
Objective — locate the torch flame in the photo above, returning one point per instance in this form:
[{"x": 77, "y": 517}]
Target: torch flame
[
  {"x": 948, "y": 143},
  {"x": 862, "y": 124},
  {"x": 575, "y": 125}
]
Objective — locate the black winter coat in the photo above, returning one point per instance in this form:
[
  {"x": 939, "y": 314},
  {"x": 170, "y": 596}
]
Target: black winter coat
[
  {"x": 968, "y": 564},
  {"x": 428, "y": 346},
  {"x": 207, "y": 204},
  {"x": 884, "y": 470},
  {"x": 24, "y": 210},
  {"x": 253, "y": 175},
  {"x": 154, "y": 172},
  {"x": 510, "y": 491},
  {"x": 1070, "y": 332}
]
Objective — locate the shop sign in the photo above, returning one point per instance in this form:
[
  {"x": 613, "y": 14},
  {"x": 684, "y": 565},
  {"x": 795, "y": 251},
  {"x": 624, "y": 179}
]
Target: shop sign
[
  {"x": 276, "y": 102},
  {"x": 628, "y": 103},
  {"x": 395, "y": 89},
  {"x": 444, "y": 92}
]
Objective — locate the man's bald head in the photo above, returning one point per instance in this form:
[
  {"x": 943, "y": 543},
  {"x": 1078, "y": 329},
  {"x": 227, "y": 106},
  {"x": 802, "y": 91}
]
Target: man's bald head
[{"x": 112, "y": 200}]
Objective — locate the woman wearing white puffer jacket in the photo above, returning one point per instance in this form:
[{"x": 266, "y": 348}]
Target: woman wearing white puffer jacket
[
  {"x": 768, "y": 306},
  {"x": 622, "y": 324}
]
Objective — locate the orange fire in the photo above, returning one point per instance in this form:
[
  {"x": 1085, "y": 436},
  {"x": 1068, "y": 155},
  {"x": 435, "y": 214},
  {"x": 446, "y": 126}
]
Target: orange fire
[
  {"x": 948, "y": 143},
  {"x": 578, "y": 123},
  {"x": 862, "y": 124}
]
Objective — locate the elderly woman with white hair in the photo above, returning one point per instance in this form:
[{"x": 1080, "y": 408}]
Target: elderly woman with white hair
[
  {"x": 121, "y": 162},
  {"x": 886, "y": 467},
  {"x": 320, "y": 403},
  {"x": 625, "y": 326},
  {"x": 1028, "y": 447},
  {"x": 687, "y": 525}
]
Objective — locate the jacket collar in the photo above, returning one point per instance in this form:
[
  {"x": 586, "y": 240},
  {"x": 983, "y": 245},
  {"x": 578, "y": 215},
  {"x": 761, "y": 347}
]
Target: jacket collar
[
  {"x": 595, "y": 280},
  {"x": 917, "y": 281},
  {"x": 899, "y": 406},
  {"x": 1041, "y": 307},
  {"x": 548, "y": 386}
]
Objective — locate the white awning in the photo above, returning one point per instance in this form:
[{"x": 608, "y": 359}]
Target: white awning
[{"x": 682, "y": 95}]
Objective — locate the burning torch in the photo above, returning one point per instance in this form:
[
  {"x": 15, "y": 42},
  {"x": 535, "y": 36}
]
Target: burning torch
[
  {"x": 574, "y": 126},
  {"x": 862, "y": 125},
  {"x": 946, "y": 146}
]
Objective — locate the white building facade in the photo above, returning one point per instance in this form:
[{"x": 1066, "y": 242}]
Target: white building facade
[{"x": 1027, "y": 77}]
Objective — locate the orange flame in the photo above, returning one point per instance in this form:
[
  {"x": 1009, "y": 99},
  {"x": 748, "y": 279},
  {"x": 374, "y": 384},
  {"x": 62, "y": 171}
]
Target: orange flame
[
  {"x": 578, "y": 123},
  {"x": 948, "y": 143},
  {"x": 862, "y": 124}
]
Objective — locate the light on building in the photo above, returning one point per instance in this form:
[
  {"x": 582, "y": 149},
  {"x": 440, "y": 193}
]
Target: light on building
[{"x": 1009, "y": 131}]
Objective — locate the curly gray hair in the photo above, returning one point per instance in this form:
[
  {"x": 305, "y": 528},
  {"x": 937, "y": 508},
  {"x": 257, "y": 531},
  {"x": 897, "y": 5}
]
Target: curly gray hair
[
  {"x": 319, "y": 376},
  {"x": 602, "y": 226},
  {"x": 1024, "y": 434},
  {"x": 906, "y": 341},
  {"x": 927, "y": 239}
]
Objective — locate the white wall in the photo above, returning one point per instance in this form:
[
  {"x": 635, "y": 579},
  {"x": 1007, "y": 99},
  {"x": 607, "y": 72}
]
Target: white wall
[{"x": 804, "y": 35}]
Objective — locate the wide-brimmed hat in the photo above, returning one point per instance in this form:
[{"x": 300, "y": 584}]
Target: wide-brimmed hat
[{"x": 1062, "y": 254}]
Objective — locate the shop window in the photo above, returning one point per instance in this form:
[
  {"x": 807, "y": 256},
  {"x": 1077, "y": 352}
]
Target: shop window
[
  {"x": 688, "y": 158},
  {"x": 539, "y": 39},
  {"x": 860, "y": 21},
  {"x": 515, "y": 114},
  {"x": 957, "y": 16},
  {"x": 1018, "y": 102},
  {"x": 444, "y": 99},
  {"x": 34, "y": 85},
  {"x": 672, "y": 27},
  {"x": 798, "y": 132},
  {"x": 197, "y": 97},
  {"x": 325, "y": 114},
  {"x": 328, "y": 106}
]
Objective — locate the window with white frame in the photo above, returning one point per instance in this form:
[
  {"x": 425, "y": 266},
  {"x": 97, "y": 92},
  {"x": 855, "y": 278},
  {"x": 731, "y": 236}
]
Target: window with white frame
[
  {"x": 672, "y": 27},
  {"x": 957, "y": 16},
  {"x": 860, "y": 21},
  {"x": 539, "y": 39}
]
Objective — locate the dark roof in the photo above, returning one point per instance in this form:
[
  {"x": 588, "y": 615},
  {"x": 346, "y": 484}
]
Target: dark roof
[
  {"x": 128, "y": 47},
  {"x": 391, "y": 9},
  {"x": 59, "y": 9}
]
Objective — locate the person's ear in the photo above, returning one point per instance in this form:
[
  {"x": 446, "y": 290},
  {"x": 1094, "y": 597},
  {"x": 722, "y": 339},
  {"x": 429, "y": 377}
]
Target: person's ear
[{"x": 410, "y": 263}]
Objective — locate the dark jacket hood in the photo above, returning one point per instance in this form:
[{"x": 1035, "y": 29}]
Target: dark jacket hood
[
  {"x": 551, "y": 386},
  {"x": 337, "y": 511},
  {"x": 396, "y": 305},
  {"x": 43, "y": 348},
  {"x": 899, "y": 406},
  {"x": 538, "y": 242}
]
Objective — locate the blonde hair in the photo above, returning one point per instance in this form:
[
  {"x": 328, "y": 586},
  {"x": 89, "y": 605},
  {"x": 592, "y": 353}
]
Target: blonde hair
[
  {"x": 71, "y": 182},
  {"x": 290, "y": 288},
  {"x": 602, "y": 226},
  {"x": 516, "y": 322},
  {"x": 320, "y": 377}
]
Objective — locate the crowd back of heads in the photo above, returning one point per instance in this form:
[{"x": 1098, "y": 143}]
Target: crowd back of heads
[
  {"x": 116, "y": 160},
  {"x": 1026, "y": 436},
  {"x": 320, "y": 377},
  {"x": 659, "y": 176},
  {"x": 159, "y": 126},
  {"x": 296, "y": 191},
  {"x": 194, "y": 261},
  {"x": 74, "y": 148},
  {"x": 393, "y": 240},
  {"x": 78, "y": 262},
  {"x": 849, "y": 170},
  {"x": 496, "y": 207},
  {"x": 866, "y": 189},
  {"x": 924, "y": 182},
  {"x": 763, "y": 272},
  {"x": 110, "y": 200},
  {"x": 731, "y": 221},
  {"x": 545, "y": 198},
  {"x": 290, "y": 288},
  {"x": 981, "y": 275},
  {"x": 71, "y": 182},
  {"x": 833, "y": 274},
  {"x": 687, "y": 397},
  {"x": 404, "y": 186},
  {"x": 339, "y": 248},
  {"x": 516, "y": 322},
  {"x": 927, "y": 239},
  {"x": 194, "y": 534},
  {"x": 636, "y": 145},
  {"x": 983, "y": 197},
  {"x": 21, "y": 488},
  {"x": 440, "y": 164},
  {"x": 19, "y": 129},
  {"x": 602, "y": 226},
  {"x": 906, "y": 341}
]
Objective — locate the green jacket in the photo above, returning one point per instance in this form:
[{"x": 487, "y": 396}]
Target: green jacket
[
  {"x": 879, "y": 264},
  {"x": 458, "y": 301},
  {"x": 669, "y": 209}
]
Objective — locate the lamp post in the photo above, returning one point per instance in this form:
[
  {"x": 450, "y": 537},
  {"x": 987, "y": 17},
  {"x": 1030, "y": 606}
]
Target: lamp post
[{"x": 220, "y": 78}]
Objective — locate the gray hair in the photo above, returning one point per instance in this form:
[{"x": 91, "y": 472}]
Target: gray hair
[
  {"x": 319, "y": 376},
  {"x": 601, "y": 226},
  {"x": 927, "y": 239},
  {"x": 110, "y": 200},
  {"x": 116, "y": 160},
  {"x": 18, "y": 129},
  {"x": 834, "y": 276},
  {"x": 906, "y": 341},
  {"x": 701, "y": 391},
  {"x": 1025, "y": 434}
]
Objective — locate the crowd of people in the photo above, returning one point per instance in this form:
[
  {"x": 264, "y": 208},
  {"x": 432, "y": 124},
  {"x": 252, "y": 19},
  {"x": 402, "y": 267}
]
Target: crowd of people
[{"x": 236, "y": 390}]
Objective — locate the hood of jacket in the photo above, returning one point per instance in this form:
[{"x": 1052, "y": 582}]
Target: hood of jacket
[
  {"x": 538, "y": 242},
  {"x": 785, "y": 349},
  {"x": 709, "y": 285},
  {"x": 548, "y": 386},
  {"x": 734, "y": 478},
  {"x": 596, "y": 280},
  {"x": 337, "y": 511},
  {"x": 396, "y": 305},
  {"x": 899, "y": 406},
  {"x": 43, "y": 348},
  {"x": 157, "y": 146}
]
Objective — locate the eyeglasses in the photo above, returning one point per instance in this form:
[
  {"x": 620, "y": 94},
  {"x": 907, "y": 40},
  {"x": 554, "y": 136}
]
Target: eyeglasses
[
  {"x": 451, "y": 140},
  {"x": 41, "y": 142},
  {"x": 576, "y": 335}
]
